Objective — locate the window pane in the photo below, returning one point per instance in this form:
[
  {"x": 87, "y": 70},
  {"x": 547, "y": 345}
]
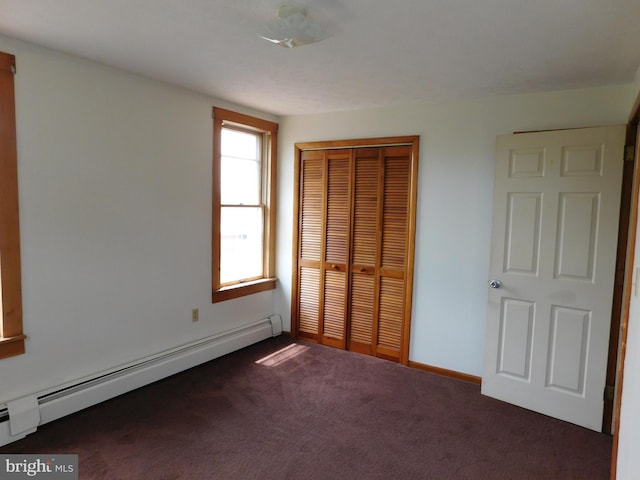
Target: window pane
[
  {"x": 239, "y": 144},
  {"x": 240, "y": 167},
  {"x": 240, "y": 243},
  {"x": 240, "y": 181}
]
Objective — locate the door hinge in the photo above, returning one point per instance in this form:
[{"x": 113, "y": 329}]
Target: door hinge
[
  {"x": 609, "y": 393},
  {"x": 629, "y": 153}
]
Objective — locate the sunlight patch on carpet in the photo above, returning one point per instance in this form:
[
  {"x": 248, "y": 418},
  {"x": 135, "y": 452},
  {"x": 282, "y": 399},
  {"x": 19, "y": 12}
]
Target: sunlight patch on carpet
[{"x": 281, "y": 356}]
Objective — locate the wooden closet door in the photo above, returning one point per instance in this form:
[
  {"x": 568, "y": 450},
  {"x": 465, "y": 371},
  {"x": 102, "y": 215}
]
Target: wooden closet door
[
  {"x": 380, "y": 234},
  {"x": 337, "y": 247},
  {"x": 366, "y": 241},
  {"x": 324, "y": 245},
  {"x": 311, "y": 243},
  {"x": 354, "y": 242},
  {"x": 393, "y": 312}
]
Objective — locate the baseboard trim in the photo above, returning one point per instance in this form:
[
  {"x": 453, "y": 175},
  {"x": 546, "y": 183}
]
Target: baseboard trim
[{"x": 446, "y": 373}]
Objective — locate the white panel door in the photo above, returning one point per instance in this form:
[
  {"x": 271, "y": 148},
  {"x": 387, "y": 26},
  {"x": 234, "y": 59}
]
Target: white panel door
[{"x": 553, "y": 252}]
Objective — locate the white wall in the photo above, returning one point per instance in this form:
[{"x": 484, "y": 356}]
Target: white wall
[
  {"x": 455, "y": 194},
  {"x": 115, "y": 213},
  {"x": 628, "y": 464}
]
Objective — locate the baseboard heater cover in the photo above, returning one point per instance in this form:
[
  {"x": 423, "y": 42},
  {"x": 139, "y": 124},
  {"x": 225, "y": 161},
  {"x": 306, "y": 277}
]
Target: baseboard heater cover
[{"x": 55, "y": 403}]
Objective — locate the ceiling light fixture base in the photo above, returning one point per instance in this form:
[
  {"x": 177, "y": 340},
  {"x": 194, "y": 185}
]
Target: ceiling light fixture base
[{"x": 292, "y": 28}]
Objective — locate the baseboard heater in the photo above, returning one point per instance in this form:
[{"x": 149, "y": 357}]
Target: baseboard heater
[{"x": 22, "y": 416}]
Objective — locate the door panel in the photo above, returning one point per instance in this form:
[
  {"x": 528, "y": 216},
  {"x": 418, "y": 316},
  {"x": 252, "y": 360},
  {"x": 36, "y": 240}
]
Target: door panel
[
  {"x": 395, "y": 208},
  {"x": 522, "y": 230},
  {"x": 337, "y": 248},
  {"x": 361, "y": 312},
  {"x": 556, "y": 203},
  {"x": 366, "y": 241},
  {"x": 338, "y": 165},
  {"x": 577, "y": 233},
  {"x": 516, "y": 338},
  {"x": 366, "y": 207},
  {"x": 309, "y": 303},
  {"x": 568, "y": 344},
  {"x": 333, "y": 316},
  {"x": 311, "y": 206},
  {"x": 311, "y": 243},
  {"x": 391, "y": 274},
  {"x": 390, "y": 316}
]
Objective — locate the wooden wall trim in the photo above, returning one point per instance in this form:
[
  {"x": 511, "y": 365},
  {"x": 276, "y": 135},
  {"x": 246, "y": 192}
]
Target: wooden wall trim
[
  {"x": 11, "y": 332},
  {"x": 411, "y": 246},
  {"x": 446, "y": 373},
  {"x": 295, "y": 242},
  {"x": 357, "y": 143},
  {"x": 244, "y": 120},
  {"x": 617, "y": 310},
  {"x": 634, "y": 126}
]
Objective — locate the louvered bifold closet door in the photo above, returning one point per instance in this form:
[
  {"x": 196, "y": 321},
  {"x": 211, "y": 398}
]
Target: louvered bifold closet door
[
  {"x": 356, "y": 223},
  {"x": 393, "y": 260},
  {"x": 311, "y": 242},
  {"x": 337, "y": 246},
  {"x": 366, "y": 242}
]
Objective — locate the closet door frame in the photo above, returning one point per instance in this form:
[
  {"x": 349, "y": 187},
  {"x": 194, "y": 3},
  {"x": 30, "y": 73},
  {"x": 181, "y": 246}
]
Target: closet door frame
[{"x": 412, "y": 141}]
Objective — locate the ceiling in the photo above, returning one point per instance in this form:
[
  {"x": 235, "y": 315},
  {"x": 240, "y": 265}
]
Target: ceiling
[{"x": 380, "y": 52}]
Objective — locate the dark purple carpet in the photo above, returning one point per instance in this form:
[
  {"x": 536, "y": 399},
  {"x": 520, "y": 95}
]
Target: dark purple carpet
[{"x": 313, "y": 412}]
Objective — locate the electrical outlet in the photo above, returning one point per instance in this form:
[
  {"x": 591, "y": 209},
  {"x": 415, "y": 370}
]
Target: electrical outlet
[{"x": 195, "y": 314}]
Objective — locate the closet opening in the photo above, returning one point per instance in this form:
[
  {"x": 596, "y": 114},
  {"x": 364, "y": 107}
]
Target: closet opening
[{"x": 354, "y": 242}]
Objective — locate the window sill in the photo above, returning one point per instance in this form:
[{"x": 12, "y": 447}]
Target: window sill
[
  {"x": 12, "y": 346},
  {"x": 242, "y": 289}
]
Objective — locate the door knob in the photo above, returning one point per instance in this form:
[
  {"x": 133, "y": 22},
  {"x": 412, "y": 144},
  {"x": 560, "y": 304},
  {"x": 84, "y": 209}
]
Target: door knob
[{"x": 495, "y": 283}]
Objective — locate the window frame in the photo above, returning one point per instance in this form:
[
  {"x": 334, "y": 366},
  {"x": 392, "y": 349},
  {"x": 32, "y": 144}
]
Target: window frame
[
  {"x": 11, "y": 333},
  {"x": 260, "y": 204},
  {"x": 269, "y": 131}
]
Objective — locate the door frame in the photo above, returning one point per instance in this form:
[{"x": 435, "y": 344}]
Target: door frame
[
  {"x": 632, "y": 136},
  {"x": 617, "y": 309},
  {"x": 411, "y": 140}
]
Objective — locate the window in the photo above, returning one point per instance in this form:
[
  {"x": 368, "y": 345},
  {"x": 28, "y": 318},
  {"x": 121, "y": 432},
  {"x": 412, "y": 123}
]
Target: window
[
  {"x": 11, "y": 337},
  {"x": 244, "y": 173}
]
